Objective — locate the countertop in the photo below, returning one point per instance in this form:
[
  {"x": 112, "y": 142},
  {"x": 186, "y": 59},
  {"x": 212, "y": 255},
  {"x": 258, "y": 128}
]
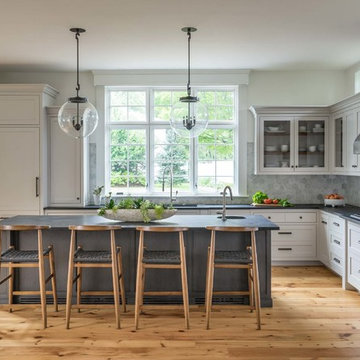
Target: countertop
[{"x": 189, "y": 221}]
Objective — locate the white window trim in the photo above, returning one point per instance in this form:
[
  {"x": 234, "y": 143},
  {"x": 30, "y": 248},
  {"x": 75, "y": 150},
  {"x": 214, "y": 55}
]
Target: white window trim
[{"x": 163, "y": 79}]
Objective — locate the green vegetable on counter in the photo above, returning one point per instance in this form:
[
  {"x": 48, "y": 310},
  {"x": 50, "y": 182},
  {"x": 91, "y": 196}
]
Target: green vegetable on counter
[{"x": 259, "y": 197}]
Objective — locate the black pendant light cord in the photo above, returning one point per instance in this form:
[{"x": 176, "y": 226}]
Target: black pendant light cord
[
  {"x": 188, "y": 84},
  {"x": 77, "y": 63}
]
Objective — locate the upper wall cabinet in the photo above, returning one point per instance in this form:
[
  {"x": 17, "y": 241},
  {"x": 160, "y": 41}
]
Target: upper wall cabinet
[
  {"x": 23, "y": 148},
  {"x": 344, "y": 128},
  {"x": 291, "y": 140}
]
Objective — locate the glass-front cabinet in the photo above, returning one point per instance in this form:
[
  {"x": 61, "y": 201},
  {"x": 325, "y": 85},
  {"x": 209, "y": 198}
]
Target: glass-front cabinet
[
  {"x": 292, "y": 144},
  {"x": 339, "y": 150},
  {"x": 310, "y": 144}
]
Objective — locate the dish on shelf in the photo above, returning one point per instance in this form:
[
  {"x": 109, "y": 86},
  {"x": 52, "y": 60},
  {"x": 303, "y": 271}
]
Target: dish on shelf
[
  {"x": 321, "y": 147},
  {"x": 312, "y": 148},
  {"x": 272, "y": 165},
  {"x": 271, "y": 148},
  {"x": 273, "y": 128},
  {"x": 318, "y": 130},
  {"x": 274, "y": 131}
]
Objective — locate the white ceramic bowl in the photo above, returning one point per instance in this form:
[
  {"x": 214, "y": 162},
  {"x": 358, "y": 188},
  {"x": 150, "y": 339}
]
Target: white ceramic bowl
[
  {"x": 271, "y": 148},
  {"x": 134, "y": 215},
  {"x": 273, "y": 128},
  {"x": 334, "y": 202},
  {"x": 312, "y": 148}
]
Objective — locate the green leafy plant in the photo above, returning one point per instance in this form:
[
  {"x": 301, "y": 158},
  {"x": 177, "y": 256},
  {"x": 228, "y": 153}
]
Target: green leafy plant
[
  {"x": 285, "y": 203},
  {"x": 98, "y": 190},
  {"x": 143, "y": 205},
  {"x": 259, "y": 197}
]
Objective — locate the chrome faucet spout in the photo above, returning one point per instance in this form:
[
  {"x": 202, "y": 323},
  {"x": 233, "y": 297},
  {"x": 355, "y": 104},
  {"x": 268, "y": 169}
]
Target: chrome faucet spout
[{"x": 223, "y": 193}]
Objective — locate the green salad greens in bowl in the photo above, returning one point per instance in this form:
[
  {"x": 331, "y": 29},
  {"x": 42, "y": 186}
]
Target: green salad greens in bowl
[{"x": 135, "y": 210}]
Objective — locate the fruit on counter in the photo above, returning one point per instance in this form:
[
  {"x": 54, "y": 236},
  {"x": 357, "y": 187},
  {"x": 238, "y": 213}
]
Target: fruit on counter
[
  {"x": 268, "y": 201},
  {"x": 259, "y": 197},
  {"x": 334, "y": 196},
  {"x": 275, "y": 201}
]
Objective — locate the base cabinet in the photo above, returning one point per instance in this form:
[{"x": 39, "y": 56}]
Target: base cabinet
[{"x": 353, "y": 256}]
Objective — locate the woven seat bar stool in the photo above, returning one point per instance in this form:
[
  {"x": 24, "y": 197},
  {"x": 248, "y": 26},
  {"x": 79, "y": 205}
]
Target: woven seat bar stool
[
  {"x": 81, "y": 258},
  {"x": 246, "y": 259},
  {"x": 13, "y": 258},
  {"x": 156, "y": 259}
]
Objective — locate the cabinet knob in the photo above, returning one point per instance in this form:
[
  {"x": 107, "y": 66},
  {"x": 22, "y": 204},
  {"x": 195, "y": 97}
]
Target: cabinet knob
[
  {"x": 77, "y": 198},
  {"x": 354, "y": 166},
  {"x": 300, "y": 217},
  {"x": 269, "y": 217}
]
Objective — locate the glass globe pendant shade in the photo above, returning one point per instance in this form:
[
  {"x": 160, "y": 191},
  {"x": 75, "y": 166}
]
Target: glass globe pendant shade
[
  {"x": 78, "y": 117},
  {"x": 189, "y": 119}
]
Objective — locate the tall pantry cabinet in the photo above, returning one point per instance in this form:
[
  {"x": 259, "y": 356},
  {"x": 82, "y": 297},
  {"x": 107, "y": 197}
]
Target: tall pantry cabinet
[{"x": 23, "y": 148}]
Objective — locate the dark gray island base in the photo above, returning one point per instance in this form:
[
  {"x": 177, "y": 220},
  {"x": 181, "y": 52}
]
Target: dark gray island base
[{"x": 197, "y": 240}]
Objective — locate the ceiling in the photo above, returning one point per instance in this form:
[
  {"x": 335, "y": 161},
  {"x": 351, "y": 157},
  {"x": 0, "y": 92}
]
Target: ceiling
[{"x": 145, "y": 34}]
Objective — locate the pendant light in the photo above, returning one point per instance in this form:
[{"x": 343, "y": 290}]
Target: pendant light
[
  {"x": 356, "y": 145},
  {"x": 78, "y": 117},
  {"x": 189, "y": 117}
]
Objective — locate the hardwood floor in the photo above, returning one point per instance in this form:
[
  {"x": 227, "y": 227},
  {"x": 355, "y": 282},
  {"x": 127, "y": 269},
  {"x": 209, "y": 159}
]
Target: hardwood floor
[{"x": 312, "y": 318}]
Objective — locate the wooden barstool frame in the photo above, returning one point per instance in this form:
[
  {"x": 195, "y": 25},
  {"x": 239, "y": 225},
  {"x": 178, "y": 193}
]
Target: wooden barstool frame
[
  {"x": 253, "y": 273},
  {"x": 141, "y": 269},
  {"x": 39, "y": 264},
  {"x": 115, "y": 265}
]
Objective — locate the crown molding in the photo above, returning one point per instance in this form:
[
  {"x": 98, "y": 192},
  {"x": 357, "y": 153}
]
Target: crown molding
[{"x": 28, "y": 89}]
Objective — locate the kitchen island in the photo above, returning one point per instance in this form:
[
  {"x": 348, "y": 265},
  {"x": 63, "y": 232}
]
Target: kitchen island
[{"x": 197, "y": 240}]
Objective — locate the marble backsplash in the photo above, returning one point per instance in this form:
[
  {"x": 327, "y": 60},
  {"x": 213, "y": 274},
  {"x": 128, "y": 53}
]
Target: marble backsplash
[{"x": 299, "y": 189}]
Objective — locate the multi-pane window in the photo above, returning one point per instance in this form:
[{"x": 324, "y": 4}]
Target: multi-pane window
[{"x": 143, "y": 153}]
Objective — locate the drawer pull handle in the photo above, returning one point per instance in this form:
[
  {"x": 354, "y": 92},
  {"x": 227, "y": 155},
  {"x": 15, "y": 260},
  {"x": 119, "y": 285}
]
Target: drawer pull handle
[
  {"x": 336, "y": 224},
  {"x": 285, "y": 249},
  {"x": 324, "y": 222},
  {"x": 37, "y": 186},
  {"x": 337, "y": 242},
  {"x": 284, "y": 232},
  {"x": 337, "y": 260},
  {"x": 354, "y": 166}
]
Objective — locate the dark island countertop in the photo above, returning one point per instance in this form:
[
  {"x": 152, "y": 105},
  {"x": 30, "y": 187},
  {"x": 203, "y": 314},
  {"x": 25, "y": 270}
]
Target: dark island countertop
[{"x": 189, "y": 221}]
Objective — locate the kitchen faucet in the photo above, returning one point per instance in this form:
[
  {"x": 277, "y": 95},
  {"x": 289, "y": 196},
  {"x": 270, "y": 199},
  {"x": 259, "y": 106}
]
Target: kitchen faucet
[
  {"x": 223, "y": 193},
  {"x": 172, "y": 199}
]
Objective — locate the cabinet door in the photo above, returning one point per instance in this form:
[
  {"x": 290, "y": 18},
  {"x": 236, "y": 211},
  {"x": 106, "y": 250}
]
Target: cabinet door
[
  {"x": 311, "y": 144},
  {"x": 351, "y": 134},
  {"x": 19, "y": 164},
  {"x": 276, "y": 155},
  {"x": 65, "y": 168},
  {"x": 19, "y": 109},
  {"x": 338, "y": 143}
]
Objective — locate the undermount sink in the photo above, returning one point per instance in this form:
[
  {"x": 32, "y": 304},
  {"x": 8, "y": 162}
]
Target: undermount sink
[{"x": 232, "y": 217}]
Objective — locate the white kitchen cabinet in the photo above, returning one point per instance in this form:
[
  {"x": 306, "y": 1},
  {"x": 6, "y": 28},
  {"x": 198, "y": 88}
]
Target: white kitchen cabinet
[
  {"x": 295, "y": 241},
  {"x": 291, "y": 140},
  {"x": 23, "y": 148},
  {"x": 353, "y": 255},
  {"x": 66, "y": 183}
]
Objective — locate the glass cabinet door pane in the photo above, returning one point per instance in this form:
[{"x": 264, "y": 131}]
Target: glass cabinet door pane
[
  {"x": 339, "y": 131},
  {"x": 276, "y": 144},
  {"x": 311, "y": 144}
]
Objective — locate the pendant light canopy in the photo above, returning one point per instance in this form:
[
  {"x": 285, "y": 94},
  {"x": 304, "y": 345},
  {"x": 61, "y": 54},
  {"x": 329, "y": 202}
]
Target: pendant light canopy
[
  {"x": 189, "y": 117},
  {"x": 78, "y": 117}
]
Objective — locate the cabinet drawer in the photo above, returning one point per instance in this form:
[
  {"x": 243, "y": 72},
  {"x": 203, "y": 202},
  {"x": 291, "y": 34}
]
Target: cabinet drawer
[
  {"x": 293, "y": 252},
  {"x": 274, "y": 216},
  {"x": 19, "y": 109},
  {"x": 337, "y": 243},
  {"x": 337, "y": 224},
  {"x": 354, "y": 237},
  {"x": 294, "y": 235},
  {"x": 354, "y": 270},
  {"x": 336, "y": 262},
  {"x": 300, "y": 217}
]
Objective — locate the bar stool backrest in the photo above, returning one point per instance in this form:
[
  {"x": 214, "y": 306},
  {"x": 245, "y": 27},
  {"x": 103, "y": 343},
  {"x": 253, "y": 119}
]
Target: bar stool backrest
[{"x": 232, "y": 228}]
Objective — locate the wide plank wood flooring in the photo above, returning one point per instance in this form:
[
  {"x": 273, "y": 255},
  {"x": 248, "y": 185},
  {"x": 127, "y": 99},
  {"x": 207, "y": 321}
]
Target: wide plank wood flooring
[{"x": 312, "y": 318}]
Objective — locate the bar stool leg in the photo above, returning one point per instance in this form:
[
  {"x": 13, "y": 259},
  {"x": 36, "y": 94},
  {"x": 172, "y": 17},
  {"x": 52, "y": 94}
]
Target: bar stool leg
[
  {"x": 184, "y": 280},
  {"x": 53, "y": 278},
  {"x": 251, "y": 290},
  {"x": 42, "y": 279},
  {"x": 115, "y": 276},
  {"x": 138, "y": 279},
  {"x": 70, "y": 279},
  {"x": 142, "y": 287},
  {"x": 78, "y": 287},
  {"x": 256, "y": 281},
  {"x": 11, "y": 286},
  {"x": 207, "y": 277},
  {"x": 121, "y": 279},
  {"x": 210, "y": 283}
]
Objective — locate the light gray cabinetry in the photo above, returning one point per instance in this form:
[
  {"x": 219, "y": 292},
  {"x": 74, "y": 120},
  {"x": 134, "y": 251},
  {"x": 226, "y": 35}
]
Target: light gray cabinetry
[
  {"x": 66, "y": 185},
  {"x": 353, "y": 255},
  {"x": 23, "y": 148}
]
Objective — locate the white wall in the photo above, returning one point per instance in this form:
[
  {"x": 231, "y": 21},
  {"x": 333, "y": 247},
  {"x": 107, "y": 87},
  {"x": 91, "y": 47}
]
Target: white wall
[{"x": 350, "y": 79}]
